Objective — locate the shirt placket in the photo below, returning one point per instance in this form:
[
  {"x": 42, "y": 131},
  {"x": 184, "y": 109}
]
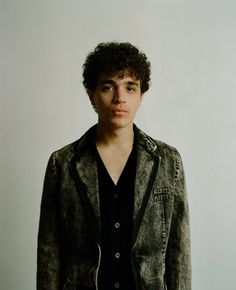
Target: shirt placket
[{"x": 117, "y": 251}]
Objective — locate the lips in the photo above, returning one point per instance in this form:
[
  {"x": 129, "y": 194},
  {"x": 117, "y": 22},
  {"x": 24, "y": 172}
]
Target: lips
[{"x": 119, "y": 112}]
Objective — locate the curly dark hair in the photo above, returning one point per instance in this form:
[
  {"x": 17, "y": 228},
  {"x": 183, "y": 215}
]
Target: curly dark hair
[{"x": 112, "y": 57}]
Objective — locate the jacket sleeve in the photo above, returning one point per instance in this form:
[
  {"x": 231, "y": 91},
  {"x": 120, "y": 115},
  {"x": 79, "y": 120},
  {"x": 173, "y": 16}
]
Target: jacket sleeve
[
  {"x": 48, "y": 259},
  {"x": 178, "y": 261}
]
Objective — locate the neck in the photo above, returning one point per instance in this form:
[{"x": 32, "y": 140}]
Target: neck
[{"x": 119, "y": 137}]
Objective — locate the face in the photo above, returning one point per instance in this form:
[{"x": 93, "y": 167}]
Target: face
[{"x": 116, "y": 99}]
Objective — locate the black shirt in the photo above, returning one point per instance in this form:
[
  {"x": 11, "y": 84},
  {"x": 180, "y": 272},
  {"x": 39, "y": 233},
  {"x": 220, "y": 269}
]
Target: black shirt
[{"x": 116, "y": 207}]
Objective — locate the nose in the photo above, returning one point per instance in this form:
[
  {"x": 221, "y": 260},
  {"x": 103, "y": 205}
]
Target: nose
[{"x": 119, "y": 96}]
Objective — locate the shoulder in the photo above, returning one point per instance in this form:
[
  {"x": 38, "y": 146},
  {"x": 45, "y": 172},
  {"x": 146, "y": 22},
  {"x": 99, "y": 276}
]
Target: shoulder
[
  {"x": 65, "y": 150},
  {"x": 76, "y": 148},
  {"x": 166, "y": 149},
  {"x": 156, "y": 146}
]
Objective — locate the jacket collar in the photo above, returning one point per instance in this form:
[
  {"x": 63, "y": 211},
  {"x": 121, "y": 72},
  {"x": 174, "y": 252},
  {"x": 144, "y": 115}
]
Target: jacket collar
[{"x": 84, "y": 143}]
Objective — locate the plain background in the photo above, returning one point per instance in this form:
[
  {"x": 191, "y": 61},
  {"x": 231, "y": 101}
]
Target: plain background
[{"x": 190, "y": 105}]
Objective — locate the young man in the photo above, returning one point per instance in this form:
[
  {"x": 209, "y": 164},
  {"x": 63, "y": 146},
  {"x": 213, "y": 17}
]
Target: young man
[{"x": 114, "y": 212}]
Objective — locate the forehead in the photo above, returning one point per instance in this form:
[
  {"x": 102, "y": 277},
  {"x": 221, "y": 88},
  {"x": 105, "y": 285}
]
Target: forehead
[{"x": 118, "y": 76}]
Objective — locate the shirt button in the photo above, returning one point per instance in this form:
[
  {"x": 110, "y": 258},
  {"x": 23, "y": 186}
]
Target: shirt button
[
  {"x": 117, "y": 255},
  {"x": 117, "y": 285},
  {"x": 117, "y": 225}
]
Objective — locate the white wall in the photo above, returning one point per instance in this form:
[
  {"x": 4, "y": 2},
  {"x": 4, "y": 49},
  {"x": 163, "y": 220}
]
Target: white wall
[{"x": 191, "y": 105}]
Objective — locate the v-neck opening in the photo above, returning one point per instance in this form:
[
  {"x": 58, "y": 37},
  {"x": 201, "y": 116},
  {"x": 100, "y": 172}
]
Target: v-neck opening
[{"x": 124, "y": 168}]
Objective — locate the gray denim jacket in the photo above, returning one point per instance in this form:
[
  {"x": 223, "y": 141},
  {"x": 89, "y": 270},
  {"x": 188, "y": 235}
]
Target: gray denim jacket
[{"x": 69, "y": 230}]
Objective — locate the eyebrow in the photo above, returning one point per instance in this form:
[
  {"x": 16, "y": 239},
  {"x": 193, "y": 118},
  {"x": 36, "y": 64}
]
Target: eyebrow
[
  {"x": 104, "y": 82},
  {"x": 133, "y": 83}
]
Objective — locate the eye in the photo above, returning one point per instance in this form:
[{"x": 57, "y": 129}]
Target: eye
[
  {"x": 107, "y": 88},
  {"x": 131, "y": 89}
]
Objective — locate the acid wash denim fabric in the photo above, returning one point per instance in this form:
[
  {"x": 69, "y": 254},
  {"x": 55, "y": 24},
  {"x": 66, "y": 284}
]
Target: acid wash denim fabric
[{"x": 69, "y": 230}]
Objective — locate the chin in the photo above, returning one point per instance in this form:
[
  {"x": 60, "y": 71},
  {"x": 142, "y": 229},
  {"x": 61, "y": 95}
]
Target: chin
[{"x": 121, "y": 124}]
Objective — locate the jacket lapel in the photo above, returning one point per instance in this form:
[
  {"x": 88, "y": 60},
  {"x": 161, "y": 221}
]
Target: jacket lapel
[
  {"x": 84, "y": 171},
  {"x": 146, "y": 172}
]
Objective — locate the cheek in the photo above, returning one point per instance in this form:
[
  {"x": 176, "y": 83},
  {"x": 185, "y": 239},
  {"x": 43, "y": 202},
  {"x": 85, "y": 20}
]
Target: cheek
[
  {"x": 102, "y": 106},
  {"x": 103, "y": 103}
]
